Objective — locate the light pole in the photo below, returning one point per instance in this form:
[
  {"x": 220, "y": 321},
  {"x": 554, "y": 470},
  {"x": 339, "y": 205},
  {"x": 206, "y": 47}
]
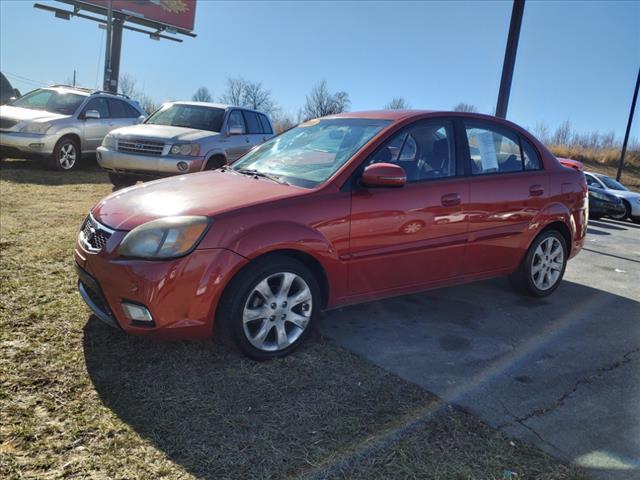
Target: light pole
[
  {"x": 626, "y": 135},
  {"x": 509, "y": 58}
]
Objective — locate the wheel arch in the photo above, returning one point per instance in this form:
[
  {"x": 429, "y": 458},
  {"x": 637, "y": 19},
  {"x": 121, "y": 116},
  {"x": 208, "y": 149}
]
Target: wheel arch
[{"x": 214, "y": 155}]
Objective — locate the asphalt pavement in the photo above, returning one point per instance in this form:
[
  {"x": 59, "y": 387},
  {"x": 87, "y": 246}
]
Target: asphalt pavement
[{"x": 561, "y": 372}]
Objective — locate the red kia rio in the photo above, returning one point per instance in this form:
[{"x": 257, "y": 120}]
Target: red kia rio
[{"x": 338, "y": 210}]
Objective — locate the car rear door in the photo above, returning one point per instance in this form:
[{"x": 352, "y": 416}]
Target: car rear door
[
  {"x": 507, "y": 189},
  {"x": 95, "y": 129},
  {"x": 414, "y": 235},
  {"x": 254, "y": 128}
]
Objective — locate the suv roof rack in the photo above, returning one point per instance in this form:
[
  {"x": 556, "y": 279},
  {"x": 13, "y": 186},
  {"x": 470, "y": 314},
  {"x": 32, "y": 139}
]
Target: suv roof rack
[
  {"x": 96, "y": 92},
  {"x": 69, "y": 86}
]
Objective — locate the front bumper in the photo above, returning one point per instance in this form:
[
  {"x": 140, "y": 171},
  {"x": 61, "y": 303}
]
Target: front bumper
[
  {"x": 181, "y": 294},
  {"x": 161, "y": 165},
  {"x": 21, "y": 144}
]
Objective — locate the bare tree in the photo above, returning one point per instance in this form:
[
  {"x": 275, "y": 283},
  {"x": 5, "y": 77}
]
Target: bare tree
[
  {"x": 465, "y": 107},
  {"x": 397, "y": 103},
  {"x": 320, "y": 102},
  {"x": 147, "y": 103},
  {"x": 541, "y": 131},
  {"x": 282, "y": 122},
  {"x": 202, "y": 95},
  {"x": 127, "y": 85},
  {"x": 562, "y": 135},
  {"x": 233, "y": 93},
  {"x": 256, "y": 97}
]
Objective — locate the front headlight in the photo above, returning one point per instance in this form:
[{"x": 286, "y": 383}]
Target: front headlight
[
  {"x": 36, "y": 127},
  {"x": 168, "y": 237},
  {"x": 185, "y": 149},
  {"x": 109, "y": 141}
]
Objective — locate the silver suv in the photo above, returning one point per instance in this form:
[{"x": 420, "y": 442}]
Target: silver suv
[
  {"x": 62, "y": 123},
  {"x": 181, "y": 137}
]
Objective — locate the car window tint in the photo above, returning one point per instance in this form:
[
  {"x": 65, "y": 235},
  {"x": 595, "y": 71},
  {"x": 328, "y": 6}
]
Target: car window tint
[
  {"x": 531, "y": 157},
  {"x": 492, "y": 151},
  {"x": 120, "y": 109},
  {"x": 253, "y": 124},
  {"x": 592, "y": 182},
  {"x": 424, "y": 151},
  {"x": 266, "y": 126},
  {"x": 99, "y": 104},
  {"x": 236, "y": 120}
]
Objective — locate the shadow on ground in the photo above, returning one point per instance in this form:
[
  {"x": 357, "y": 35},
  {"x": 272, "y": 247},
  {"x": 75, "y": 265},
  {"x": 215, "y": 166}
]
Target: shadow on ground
[
  {"x": 38, "y": 172},
  {"x": 561, "y": 372}
]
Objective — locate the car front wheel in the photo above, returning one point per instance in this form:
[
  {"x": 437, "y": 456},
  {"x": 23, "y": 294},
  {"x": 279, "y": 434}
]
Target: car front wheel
[
  {"x": 269, "y": 308},
  {"x": 66, "y": 154},
  {"x": 121, "y": 181},
  {"x": 543, "y": 266}
]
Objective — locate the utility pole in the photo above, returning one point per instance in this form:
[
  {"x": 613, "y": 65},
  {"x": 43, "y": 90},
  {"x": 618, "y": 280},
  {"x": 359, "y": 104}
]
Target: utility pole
[
  {"x": 74, "y": 77},
  {"x": 626, "y": 134},
  {"x": 106, "y": 84},
  {"x": 509, "y": 58}
]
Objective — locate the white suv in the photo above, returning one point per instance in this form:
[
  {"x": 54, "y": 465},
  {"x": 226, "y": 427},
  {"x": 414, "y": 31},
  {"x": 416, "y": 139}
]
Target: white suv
[{"x": 63, "y": 123}]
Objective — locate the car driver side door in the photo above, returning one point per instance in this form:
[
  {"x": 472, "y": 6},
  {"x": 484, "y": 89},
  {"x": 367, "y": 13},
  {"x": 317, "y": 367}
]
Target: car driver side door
[{"x": 414, "y": 235}]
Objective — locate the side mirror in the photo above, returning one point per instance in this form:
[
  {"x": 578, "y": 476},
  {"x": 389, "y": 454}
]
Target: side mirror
[
  {"x": 235, "y": 130},
  {"x": 384, "y": 175},
  {"x": 16, "y": 93},
  {"x": 92, "y": 115},
  {"x": 141, "y": 119}
]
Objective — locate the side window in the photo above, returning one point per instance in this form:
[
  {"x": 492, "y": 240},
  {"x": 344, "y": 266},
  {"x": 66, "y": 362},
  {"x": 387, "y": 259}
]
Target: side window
[
  {"x": 236, "y": 120},
  {"x": 531, "y": 157},
  {"x": 120, "y": 109},
  {"x": 99, "y": 104},
  {"x": 493, "y": 151},
  {"x": 266, "y": 126},
  {"x": 424, "y": 151},
  {"x": 253, "y": 124},
  {"x": 592, "y": 182}
]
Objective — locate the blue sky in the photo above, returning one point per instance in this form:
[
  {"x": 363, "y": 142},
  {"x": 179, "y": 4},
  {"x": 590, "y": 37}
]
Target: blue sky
[{"x": 576, "y": 60}]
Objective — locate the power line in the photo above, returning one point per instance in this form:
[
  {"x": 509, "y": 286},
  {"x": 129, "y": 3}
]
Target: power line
[{"x": 25, "y": 79}]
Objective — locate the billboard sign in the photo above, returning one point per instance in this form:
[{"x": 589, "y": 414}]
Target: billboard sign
[{"x": 179, "y": 14}]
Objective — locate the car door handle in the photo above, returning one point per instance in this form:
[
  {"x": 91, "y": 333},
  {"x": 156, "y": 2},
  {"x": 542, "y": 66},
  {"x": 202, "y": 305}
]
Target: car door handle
[
  {"x": 450, "y": 200},
  {"x": 536, "y": 190}
]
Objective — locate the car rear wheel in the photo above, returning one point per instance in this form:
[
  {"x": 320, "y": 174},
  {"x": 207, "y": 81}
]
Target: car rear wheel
[
  {"x": 269, "y": 308},
  {"x": 121, "y": 181},
  {"x": 626, "y": 214},
  {"x": 66, "y": 154},
  {"x": 543, "y": 266}
]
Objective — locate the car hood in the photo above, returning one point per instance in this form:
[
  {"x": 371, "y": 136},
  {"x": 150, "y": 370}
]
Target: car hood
[
  {"x": 208, "y": 193},
  {"x": 164, "y": 133},
  {"x": 26, "y": 114}
]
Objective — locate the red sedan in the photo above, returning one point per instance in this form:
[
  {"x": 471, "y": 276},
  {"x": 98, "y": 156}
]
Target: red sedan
[{"x": 338, "y": 210}]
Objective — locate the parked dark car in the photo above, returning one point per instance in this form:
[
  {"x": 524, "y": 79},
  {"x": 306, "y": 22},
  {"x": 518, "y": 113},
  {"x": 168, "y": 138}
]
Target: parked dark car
[
  {"x": 7, "y": 92},
  {"x": 603, "y": 204}
]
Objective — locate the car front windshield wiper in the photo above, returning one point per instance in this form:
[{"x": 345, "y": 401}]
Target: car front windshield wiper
[{"x": 257, "y": 173}]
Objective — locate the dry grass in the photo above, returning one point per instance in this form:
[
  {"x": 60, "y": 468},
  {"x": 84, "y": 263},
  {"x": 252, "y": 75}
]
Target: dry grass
[
  {"x": 81, "y": 400},
  {"x": 604, "y": 161}
]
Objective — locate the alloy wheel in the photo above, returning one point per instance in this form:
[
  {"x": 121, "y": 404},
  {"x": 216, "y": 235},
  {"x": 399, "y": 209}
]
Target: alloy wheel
[
  {"x": 547, "y": 263},
  {"x": 67, "y": 156},
  {"x": 277, "y": 311}
]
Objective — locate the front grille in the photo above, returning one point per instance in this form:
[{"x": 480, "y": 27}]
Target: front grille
[
  {"x": 145, "y": 147},
  {"x": 7, "y": 123},
  {"x": 93, "y": 235}
]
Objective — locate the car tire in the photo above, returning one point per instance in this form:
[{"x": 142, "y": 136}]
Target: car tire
[
  {"x": 626, "y": 214},
  {"x": 121, "y": 181},
  {"x": 252, "y": 315},
  {"x": 215, "y": 162},
  {"x": 66, "y": 155},
  {"x": 542, "y": 268}
]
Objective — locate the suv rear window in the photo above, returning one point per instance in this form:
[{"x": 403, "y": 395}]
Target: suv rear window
[
  {"x": 253, "y": 124},
  {"x": 266, "y": 126},
  {"x": 120, "y": 109}
]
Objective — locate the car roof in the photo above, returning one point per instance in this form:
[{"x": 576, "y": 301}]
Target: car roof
[
  {"x": 224, "y": 106},
  {"x": 397, "y": 115}
]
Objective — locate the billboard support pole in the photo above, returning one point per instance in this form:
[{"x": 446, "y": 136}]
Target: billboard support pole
[
  {"x": 116, "y": 48},
  {"x": 106, "y": 84},
  {"x": 626, "y": 134},
  {"x": 509, "y": 58}
]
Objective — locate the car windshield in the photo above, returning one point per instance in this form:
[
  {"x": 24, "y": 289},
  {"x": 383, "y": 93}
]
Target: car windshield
[
  {"x": 310, "y": 153},
  {"x": 611, "y": 183},
  {"x": 51, "y": 100},
  {"x": 189, "y": 116}
]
